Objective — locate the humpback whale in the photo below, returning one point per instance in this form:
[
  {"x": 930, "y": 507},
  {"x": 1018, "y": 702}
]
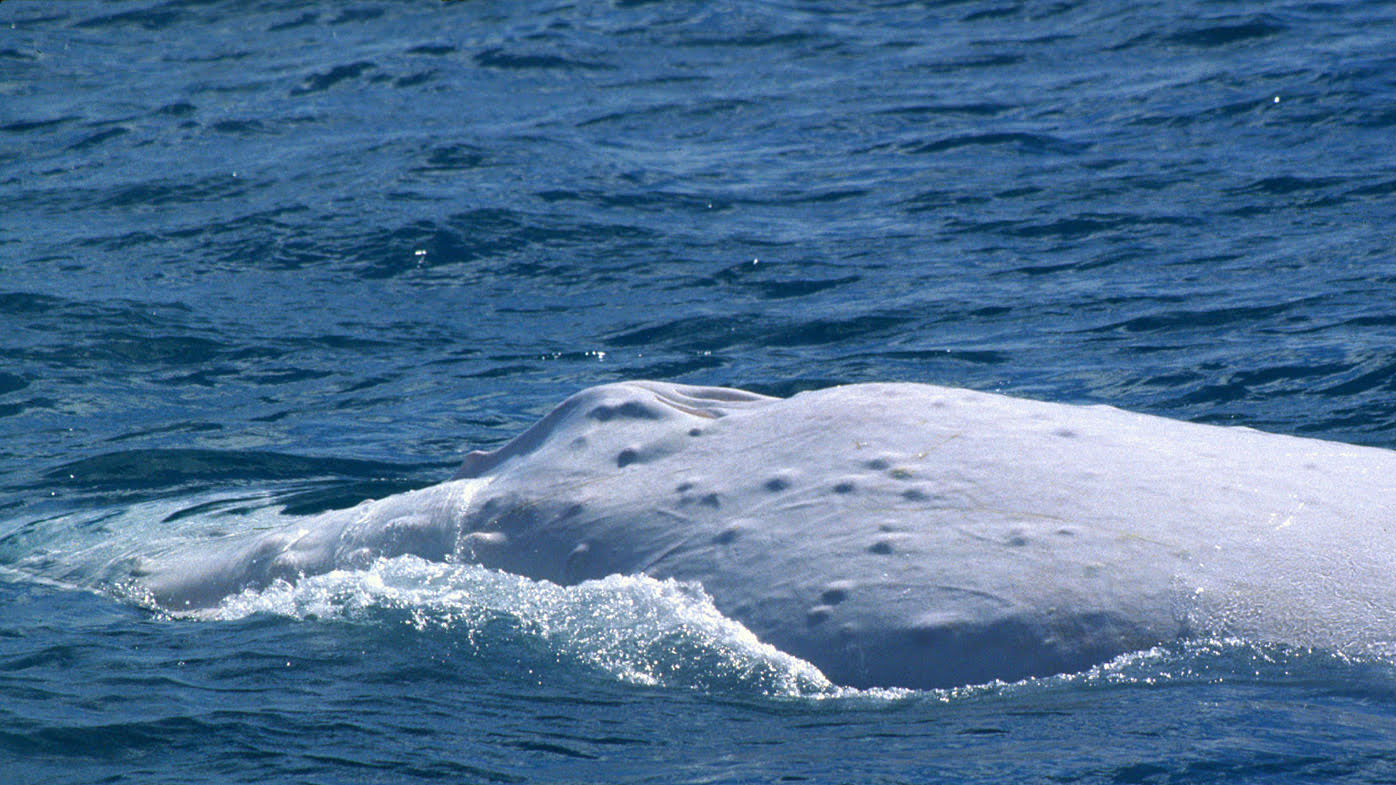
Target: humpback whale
[{"x": 894, "y": 534}]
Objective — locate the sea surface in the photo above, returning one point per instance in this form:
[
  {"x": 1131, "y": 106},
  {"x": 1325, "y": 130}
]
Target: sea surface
[{"x": 286, "y": 256}]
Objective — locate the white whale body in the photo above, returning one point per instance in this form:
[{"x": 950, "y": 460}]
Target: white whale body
[{"x": 896, "y": 534}]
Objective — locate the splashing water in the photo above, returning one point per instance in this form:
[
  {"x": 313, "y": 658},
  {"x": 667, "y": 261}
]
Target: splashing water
[{"x": 635, "y": 628}]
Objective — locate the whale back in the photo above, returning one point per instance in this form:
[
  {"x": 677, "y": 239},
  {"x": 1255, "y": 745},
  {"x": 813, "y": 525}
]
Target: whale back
[
  {"x": 903, "y": 534},
  {"x": 912, "y": 534}
]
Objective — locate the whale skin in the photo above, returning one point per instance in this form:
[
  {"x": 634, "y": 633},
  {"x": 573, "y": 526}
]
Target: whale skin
[{"x": 895, "y": 534}]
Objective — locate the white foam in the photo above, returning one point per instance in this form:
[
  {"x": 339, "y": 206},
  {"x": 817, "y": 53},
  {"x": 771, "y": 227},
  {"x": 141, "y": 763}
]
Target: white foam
[{"x": 634, "y": 628}]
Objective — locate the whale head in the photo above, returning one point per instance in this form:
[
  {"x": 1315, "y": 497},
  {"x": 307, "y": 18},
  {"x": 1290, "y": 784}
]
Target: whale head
[{"x": 891, "y": 534}]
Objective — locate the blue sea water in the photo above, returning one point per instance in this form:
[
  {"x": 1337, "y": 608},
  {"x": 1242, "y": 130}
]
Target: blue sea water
[{"x": 264, "y": 256}]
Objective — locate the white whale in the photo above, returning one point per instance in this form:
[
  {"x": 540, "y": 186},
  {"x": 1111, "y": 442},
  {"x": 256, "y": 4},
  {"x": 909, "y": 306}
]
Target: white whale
[{"x": 897, "y": 534}]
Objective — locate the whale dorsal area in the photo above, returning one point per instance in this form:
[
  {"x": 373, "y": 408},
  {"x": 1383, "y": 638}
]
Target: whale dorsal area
[
  {"x": 902, "y": 534},
  {"x": 913, "y": 534}
]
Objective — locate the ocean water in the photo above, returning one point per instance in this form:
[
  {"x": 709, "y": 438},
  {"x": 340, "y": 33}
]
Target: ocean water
[{"x": 286, "y": 256}]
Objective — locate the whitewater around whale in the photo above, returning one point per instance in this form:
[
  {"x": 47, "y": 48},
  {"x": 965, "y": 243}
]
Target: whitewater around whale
[{"x": 893, "y": 534}]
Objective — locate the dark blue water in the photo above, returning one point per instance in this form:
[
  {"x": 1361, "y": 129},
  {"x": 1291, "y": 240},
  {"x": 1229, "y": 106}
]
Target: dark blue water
[{"x": 291, "y": 255}]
